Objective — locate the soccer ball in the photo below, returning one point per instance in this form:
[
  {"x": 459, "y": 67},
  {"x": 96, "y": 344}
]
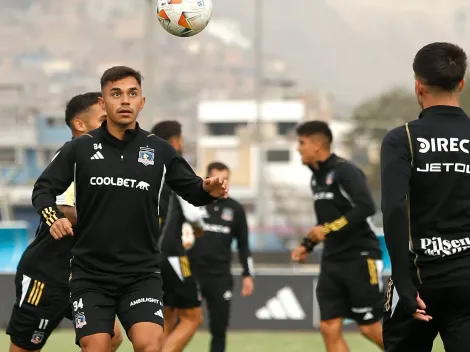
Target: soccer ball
[
  {"x": 187, "y": 236},
  {"x": 184, "y": 18}
]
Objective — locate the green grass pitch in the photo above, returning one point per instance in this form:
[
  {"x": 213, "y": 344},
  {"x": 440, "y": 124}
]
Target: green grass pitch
[{"x": 62, "y": 341}]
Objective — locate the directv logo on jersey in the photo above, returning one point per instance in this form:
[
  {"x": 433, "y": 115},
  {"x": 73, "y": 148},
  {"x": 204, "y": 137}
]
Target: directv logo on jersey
[
  {"x": 436, "y": 246},
  {"x": 443, "y": 145}
]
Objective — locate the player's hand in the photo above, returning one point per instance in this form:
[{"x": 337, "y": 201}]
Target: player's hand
[
  {"x": 217, "y": 187},
  {"x": 316, "y": 234},
  {"x": 61, "y": 228},
  {"x": 421, "y": 311},
  {"x": 248, "y": 286},
  {"x": 299, "y": 254}
]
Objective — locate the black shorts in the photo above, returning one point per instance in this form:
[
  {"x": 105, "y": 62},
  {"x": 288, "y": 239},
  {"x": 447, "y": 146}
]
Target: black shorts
[
  {"x": 38, "y": 310},
  {"x": 95, "y": 306},
  {"x": 450, "y": 312},
  {"x": 351, "y": 289},
  {"x": 180, "y": 287}
]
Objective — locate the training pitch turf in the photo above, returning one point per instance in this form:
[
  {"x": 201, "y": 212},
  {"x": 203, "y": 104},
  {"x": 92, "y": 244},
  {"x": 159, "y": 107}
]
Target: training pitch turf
[{"x": 62, "y": 341}]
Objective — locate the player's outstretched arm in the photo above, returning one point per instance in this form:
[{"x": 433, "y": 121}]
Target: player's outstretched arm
[
  {"x": 54, "y": 180},
  {"x": 240, "y": 232},
  {"x": 395, "y": 169},
  {"x": 182, "y": 179}
]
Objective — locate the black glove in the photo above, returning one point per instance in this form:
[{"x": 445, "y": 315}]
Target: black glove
[{"x": 308, "y": 244}]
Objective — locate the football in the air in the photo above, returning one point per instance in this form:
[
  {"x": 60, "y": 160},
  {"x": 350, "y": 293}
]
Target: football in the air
[
  {"x": 187, "y": 236},
  {"x": 184, "y": 18}
]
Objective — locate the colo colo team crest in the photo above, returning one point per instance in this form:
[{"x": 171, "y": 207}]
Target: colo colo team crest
[
  {"x": 37, "y": 337},
  {"x": 146, "y": 156},
  {"x": 227, "y": 214},
  {"x": 330, "y": 177}
]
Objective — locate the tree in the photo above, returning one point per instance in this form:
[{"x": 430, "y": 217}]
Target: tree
[{"x": 374, "y": 117}]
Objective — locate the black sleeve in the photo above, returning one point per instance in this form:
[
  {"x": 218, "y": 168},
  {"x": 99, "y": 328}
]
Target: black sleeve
[
  {"x": 240, "y": 232},
  {"x": 354, "y": 187},
  {"x": 395, "y": 169},
  {"x": 182, "y": 179},
  {"x": 54, "y": 180}
]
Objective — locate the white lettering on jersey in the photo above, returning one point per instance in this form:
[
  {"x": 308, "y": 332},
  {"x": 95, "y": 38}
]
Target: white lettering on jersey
[
  {"x": 443, "y": 145},
  {"x": 118, "y": 182},
  {"x": 439, "y": 247},
  {"x": 445, "y": 167},
  {"x": 323, "y": 195},
  {"x": 217, "y": 228}
]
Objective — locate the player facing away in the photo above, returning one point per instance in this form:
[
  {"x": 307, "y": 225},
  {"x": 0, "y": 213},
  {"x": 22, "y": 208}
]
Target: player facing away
[
  {"x": 42, "y": 276},
  {"x": 425, "y": 171},
  {"x": 350, "y": 282},
  {"x": 119, "y": 170},
  {"x": 181, "y": 299},
  {"x": 211, "y": 258}
]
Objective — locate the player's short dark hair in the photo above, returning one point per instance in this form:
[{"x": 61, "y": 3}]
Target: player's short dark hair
[
  {"x": 79, "y": 104},
  {"x": 440, "y": 65},
  {"x": 217, "y": 165},
  {"x": 310, "y": 128},
  {"x": 117, "y": 73},
  {"x": 167, "y": 129}
]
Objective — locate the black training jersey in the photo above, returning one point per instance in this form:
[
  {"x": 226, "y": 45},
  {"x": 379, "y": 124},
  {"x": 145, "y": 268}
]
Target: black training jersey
[
  {"x": 118, "y": 185},
  {"x": 46, "y": 259},
  {"x": 343, "y": 204},
  {"x": 425, "y": 169},
  {"x": 224, "y": 221}
]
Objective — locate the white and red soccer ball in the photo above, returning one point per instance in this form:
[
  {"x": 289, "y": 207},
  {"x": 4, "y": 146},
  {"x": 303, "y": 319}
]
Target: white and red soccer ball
[{"x": 184, "y": 18}]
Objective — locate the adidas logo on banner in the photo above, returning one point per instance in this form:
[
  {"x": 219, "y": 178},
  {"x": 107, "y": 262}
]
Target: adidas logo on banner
[
  {"x": 284, "y": 306},
  {"x": 97, "y": 156}
]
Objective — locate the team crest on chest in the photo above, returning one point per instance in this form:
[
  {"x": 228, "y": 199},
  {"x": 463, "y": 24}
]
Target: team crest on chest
[
  {"x": 227, "y": 214},
  {"x": 146, "y": 156},
  {"x": 330, "y": 177}
]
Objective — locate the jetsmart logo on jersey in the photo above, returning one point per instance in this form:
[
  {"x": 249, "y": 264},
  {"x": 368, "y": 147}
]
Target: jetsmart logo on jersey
[
  {"x": 438, "y": 247},
  {"x": 443, "y": 145},
  {"x": 217, "y": 228},
  {"x": 119, "y": 182},
  {"x": 323, "y": 195}
]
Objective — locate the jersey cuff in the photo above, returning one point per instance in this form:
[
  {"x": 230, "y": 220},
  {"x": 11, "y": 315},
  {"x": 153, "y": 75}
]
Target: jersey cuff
[
  {"x": 335, "y": 225},
  {"x": 51, "y": 214}
]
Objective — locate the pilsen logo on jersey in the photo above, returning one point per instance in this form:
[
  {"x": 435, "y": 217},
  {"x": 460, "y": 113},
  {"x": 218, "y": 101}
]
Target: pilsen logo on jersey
[
  {"x": 438, "y": 247},
  {"x": 330, "y": 178},
  {"x": 227, "y": 214},
  {"x": 146, "y": 156}
]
